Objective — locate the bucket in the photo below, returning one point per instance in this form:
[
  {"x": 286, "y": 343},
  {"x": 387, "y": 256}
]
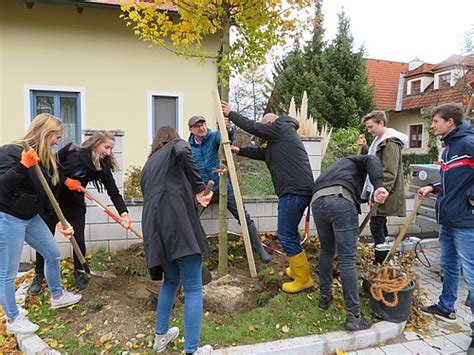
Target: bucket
[{"x": 399, "y": 313}]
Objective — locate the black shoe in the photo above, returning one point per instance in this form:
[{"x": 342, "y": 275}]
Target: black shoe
[
  {"x": 356, "y": 322},
  {"x": 324, "y": 302},
  {"x": 35, "y": 286},
  {"x": 81, "y": 281},
  {"x": 433, "y": 310}
]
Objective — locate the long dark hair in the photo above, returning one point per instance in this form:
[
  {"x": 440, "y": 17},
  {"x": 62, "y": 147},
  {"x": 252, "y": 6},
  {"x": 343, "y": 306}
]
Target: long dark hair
[{"x": 163, "y": 136}]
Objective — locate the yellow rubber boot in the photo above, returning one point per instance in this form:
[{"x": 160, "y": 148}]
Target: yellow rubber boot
[
  {"x": 300, "y": 272},
  {"x": 288, "y": 272}
]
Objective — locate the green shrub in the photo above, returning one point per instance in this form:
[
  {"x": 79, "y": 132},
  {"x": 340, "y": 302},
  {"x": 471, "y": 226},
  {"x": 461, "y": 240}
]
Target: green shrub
[
  {"x": 342, "y": 144},
  {"x": 131, "y": 184}
]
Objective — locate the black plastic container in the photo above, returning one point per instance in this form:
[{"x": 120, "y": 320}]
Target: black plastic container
[{"x": 399, "y": 313}]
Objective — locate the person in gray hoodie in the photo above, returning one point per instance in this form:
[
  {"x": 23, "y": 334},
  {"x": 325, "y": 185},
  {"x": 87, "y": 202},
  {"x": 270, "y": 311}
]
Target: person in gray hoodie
[{"x": 387, "y": 146}]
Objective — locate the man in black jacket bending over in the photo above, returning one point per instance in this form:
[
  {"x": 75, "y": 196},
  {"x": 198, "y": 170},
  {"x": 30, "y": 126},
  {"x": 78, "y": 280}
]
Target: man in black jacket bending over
[
  {"x": 292, "y": 178},
  {"x": 336, "y": 205}
]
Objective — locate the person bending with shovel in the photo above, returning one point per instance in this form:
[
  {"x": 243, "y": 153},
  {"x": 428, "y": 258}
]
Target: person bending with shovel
[
  {"x": 173, "y": 236},
  {"x": 21, "y": 200},
  {"x": 93, "y": 161},
  {"x": 336, "y": 206}
]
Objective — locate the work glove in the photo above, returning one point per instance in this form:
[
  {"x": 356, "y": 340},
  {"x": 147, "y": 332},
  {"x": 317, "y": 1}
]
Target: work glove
[
  {"x": 73, "y": 184},
  {"x": 67, "y": 233},
  {"x": 126, "y": 223},
  {"x": 29, "y": 158}
]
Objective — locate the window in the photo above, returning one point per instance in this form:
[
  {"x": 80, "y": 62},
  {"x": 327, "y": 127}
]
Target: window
[
  {"x": 416, "y": 132},
  {"x": 415, "y": 87},
  {"x": 444, "y": 81},
  {"x": 164, "y": 112},
  {"x": 64, "y": 105}
]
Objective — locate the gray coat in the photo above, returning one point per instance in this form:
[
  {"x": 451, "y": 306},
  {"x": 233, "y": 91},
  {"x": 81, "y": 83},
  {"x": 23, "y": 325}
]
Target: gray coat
[{"x": 171, "y": 226}]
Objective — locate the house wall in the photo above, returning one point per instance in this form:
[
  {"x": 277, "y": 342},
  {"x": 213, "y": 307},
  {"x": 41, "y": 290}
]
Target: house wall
[
  {"x": 401, "y": 121},
  {"x": 94, "y": 52}
]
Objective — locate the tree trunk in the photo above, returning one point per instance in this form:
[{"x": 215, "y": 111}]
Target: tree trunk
[
  {"x": 223, "y": 87},
  {"x": 222, "y": 268}
]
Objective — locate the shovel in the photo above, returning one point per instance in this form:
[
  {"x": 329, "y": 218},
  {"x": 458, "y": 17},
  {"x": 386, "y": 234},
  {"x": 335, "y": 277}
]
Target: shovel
[
  {"x": 207, "y": 190},
  {"x": 367, "y": 218},
  {"x": 62, "y": 219},
  {"x": 91, "y": 197}
]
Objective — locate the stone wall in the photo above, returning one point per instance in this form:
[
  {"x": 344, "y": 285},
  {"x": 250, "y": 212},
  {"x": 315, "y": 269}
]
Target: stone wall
[{"x": 102, "y": 231}]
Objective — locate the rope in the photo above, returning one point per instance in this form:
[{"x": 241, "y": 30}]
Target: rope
[{"x": 390, "y": 281}]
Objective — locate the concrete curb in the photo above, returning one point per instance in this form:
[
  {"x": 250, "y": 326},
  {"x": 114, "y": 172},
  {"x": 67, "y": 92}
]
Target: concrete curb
[
  {"x": 324, "y": 343},
  {"x": 32, "y": 344}
]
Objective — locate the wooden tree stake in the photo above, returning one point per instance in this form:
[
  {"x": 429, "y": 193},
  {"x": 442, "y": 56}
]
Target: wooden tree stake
[{"x": 235, "y": 184}]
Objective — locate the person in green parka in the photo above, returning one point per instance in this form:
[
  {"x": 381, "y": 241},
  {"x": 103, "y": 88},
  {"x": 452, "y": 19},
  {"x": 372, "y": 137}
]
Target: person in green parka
[{"x": 387, "y": 146}]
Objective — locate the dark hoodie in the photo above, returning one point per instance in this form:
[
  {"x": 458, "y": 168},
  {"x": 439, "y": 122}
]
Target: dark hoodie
[
  {"x": 284, "y": 154},
  {"x": 457, "y": 179}
]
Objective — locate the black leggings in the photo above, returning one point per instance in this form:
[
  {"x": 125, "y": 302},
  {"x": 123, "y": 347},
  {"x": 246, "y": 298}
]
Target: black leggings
[
  {"x": 78, "y": 223},
  {"x": 378, "y": 228}
]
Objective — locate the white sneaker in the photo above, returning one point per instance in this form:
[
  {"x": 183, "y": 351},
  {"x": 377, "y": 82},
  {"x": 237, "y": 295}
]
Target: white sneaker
[
  {"x": 66, "y": 299},
  {"x": 205, "y": 350},
  {"x": 21, "y": 325},
  {"x": 162, "y": 340}
]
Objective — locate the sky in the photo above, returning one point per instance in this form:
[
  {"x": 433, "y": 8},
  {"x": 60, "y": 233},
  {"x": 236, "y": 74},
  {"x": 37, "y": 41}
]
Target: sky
[{"x": 402, "y": 30}]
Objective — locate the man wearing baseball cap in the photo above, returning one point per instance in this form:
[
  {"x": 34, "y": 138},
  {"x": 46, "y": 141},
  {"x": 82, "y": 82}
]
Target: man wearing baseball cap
[{"x": 204, "y": 144}]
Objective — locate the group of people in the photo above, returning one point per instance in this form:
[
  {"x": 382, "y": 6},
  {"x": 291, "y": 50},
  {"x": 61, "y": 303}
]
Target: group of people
[
  {"x": 26, "y": 215},
  {"x": 173, "y": 181}
]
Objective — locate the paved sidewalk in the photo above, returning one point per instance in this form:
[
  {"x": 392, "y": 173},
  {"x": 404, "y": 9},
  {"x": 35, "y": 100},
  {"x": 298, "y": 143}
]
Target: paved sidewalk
[{"x": 444, "y": 338}]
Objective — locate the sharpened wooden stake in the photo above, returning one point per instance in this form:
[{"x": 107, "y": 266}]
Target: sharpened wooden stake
[{"x": 235, "y": 183}]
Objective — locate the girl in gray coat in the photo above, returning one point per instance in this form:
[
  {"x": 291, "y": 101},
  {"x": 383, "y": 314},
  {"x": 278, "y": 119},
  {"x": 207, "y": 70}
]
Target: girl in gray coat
[{"x": 173, "y": 237}]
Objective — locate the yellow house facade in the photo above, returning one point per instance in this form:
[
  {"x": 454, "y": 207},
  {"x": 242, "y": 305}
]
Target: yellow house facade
[{"x": 86, "y": 67}]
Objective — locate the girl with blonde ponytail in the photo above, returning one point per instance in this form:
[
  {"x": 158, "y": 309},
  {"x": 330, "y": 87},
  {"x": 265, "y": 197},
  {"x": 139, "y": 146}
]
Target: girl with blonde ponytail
[{"x": 21, "y": 200}]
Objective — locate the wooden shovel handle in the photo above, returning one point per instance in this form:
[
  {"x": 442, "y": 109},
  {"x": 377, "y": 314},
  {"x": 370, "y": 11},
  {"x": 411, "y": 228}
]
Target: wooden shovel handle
[
  {"x": 108, "y": 211},
  {"x": 58, "y": 211},
  {"x": 404, "y": 230},
  {"x": 367, "y": 217},
  {"x": 207, "y": 190}
]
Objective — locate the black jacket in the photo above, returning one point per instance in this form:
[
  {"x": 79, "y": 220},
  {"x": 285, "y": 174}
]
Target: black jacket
[
  {"x": 285, "y": 155},
  {"x": 76, "y": 163},
  {"x": 171, "y": 226},
  {"x": 350, "y": 173},
  {"x": 21, "y": 194}
]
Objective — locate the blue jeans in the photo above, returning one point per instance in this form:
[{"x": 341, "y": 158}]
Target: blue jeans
[
  {"x": 337, "y": 221},
  {"x": 457, "y": 250},
  {"x": 290, "y": 211},
  {"x": 13, "y": 233},
  {"x": 188, "y": 270}
]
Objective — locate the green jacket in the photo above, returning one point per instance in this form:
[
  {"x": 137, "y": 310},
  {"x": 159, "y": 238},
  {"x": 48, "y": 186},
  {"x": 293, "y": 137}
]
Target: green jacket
[{"x": 389, "y": 153}]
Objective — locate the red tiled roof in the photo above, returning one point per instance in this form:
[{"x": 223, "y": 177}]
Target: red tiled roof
[
  {"x": 431, "y": 97},
  {"x": 385, "y": 76},
  {"x": 456, "y": 60},
  {"x": 425, "y": 68}
]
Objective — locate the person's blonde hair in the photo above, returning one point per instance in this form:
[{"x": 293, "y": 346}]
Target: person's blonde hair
[
  {"x": 92, "y": 142},
  {"x": 38, "y": 135}
]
